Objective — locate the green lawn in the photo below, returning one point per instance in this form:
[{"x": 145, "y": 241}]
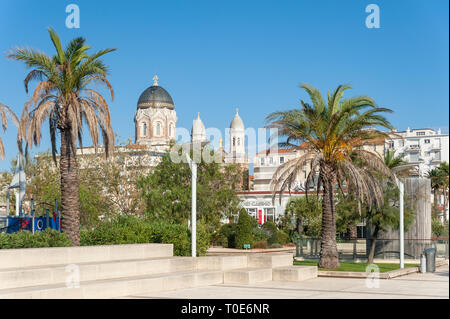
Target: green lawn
[{"x": 351, "y": 266}]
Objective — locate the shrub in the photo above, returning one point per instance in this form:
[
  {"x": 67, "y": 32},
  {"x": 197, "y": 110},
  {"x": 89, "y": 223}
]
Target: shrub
[
  {"x": 41, "y": 239},
  {"x": 134, "y": 230},
  {"x": 260, "y": 244},
  {"x": 228, "y": 233},
  {"x": 260, "y": 234},
  {"x": 272, "y": 230},
  {"x": 244, "y": 229},
  {"x": 283, "y": 238}
]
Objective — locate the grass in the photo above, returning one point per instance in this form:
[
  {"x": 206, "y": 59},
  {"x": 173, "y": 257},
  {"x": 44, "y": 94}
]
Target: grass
[{"x": 351, "y": 266}]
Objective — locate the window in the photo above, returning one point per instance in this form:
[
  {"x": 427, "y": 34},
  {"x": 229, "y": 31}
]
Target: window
[
  {"x": 158, "y": 129},
  {"x": 281, "y": 160},
  {"x": 427, "y": 141},
  {"x": 391, "y": 144},
  {"x": 144, "y": 129},
  {"x": 234, "y": 141},
  {"x": 238, "y": 141},
  {"x": 414, "y": 157},
  {"x": 262, "y": 161},
  {"x": 304, "y": 174},
  {"x": 271, "y": 160},
  {"x": 170, "y": 129},
  {"x": 420, "y": 133}
]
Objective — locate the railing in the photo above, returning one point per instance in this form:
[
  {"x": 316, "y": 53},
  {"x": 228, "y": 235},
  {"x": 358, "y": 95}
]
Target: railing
[{"x": 309, "y": 248}]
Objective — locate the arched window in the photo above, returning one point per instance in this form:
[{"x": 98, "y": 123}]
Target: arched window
[
  {"x": 144, "y": 129},
  {"x": 239, "y": 141},
  {"x": 234, "y": 141},
  {"x": 170, "y": 129},
  {"x": 158, "y": 128}
]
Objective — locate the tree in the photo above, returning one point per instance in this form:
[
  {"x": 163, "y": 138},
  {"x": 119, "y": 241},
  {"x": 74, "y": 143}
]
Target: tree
[
  {"x": 4, "y": 111},
  {"x": 244, "y": 229},
  {"x": 333, "y": 133},
  {"x": 305, "y": 215},
  {"x": 439, "y": 178},
  {"x": 167, "y": 193},
  {"x": 64, "y": 97}
]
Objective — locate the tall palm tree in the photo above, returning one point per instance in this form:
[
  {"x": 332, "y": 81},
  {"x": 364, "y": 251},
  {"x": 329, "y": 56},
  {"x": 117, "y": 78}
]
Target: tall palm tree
[
  {"x": 4, "y": 112},
  {"x": 334, "y": 133},
  {"x": 64, "y": 97}
]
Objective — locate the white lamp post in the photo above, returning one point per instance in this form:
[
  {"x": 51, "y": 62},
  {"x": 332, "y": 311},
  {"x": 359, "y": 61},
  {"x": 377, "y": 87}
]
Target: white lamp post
[{"x": 193, "y": 166}]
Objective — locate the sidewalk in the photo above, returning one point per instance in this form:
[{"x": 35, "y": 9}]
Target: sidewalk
[{"x": 430, "y": 285}]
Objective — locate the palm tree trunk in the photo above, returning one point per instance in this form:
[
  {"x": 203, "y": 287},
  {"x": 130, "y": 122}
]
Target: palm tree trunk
[
  {"x": 372, "y": 245},
  {"x": 329, "y": 257},
  {"x": 70, "y": 211},
  {"x": 352, "y": 231}
]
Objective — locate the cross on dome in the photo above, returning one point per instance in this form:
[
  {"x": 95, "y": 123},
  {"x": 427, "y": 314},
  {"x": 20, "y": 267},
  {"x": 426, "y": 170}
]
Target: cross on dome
[{"x": 155, "y": 80}]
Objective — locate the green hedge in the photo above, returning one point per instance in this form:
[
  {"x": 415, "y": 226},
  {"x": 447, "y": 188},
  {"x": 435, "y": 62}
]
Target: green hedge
[
  {"x": 133, "y": 230},
  {"x": 244, "y": 230},
  {"x": 122, "y": 230},
  {"x": 41, "y": 239}
]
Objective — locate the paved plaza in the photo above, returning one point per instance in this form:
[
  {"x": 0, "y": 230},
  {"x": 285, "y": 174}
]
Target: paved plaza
[{"x": 429, "y": 285}]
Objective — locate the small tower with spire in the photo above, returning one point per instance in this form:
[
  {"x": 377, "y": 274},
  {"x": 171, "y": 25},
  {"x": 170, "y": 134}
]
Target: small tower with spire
[{"x": 198, "y": 133}]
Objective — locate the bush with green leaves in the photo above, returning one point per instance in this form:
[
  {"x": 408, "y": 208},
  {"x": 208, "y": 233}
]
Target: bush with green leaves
[
  {"x": 135, "y": 230},
  {"x": 439, "y": 229},
  {"x": 244, "y": 229},
  {"x": 41, "y": 239},
  {"x": 272, "y": 231}
]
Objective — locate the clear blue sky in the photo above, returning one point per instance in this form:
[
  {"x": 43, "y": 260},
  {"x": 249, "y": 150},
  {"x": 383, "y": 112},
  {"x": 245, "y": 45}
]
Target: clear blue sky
[{"x": 214, "y": 56}]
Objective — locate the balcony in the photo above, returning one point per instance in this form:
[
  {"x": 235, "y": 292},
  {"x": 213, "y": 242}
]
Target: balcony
[{"x": 412, "y": 148}]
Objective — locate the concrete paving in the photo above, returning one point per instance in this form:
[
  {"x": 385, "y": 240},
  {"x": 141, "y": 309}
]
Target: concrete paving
[{"x": 422, "y": 286}]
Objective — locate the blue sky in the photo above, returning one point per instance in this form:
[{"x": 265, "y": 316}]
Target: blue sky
[{"x": 214, "y": 56}]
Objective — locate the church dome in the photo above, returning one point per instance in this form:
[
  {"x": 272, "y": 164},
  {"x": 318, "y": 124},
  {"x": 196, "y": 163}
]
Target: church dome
[
  {"x": 237, "y": 122},
  {"x": 155, "y": 97}
]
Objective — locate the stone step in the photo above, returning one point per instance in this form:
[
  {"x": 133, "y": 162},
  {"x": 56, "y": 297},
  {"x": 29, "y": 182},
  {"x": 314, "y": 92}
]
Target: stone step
[
  {"x": 221, "y": 262},
  {"x": 118, "y": 287},
  {"x": 247, "y": 276},
  {"x": 58, "y": 274},
  {"x": 269, "y": 260},
  {"x": 29, "y": 257},
  {"x": 294, "y": 273}
]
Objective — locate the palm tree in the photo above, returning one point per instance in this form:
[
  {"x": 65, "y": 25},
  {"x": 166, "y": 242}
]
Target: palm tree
[
  {"x": 4, "y": 111},
  {"x": 334, "y": 134},
  {"x": 64, "y": 97},
  {"x": 436, "y": 181}
]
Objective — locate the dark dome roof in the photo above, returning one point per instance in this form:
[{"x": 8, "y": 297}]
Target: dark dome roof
[{"x": 155, "y": 96}]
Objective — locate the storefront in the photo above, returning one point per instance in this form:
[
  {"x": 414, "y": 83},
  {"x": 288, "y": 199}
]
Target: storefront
[{"x": 260, "y": 206}]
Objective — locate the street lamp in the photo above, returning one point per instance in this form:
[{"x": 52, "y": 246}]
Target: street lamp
[{"x": 193, "y": 165}]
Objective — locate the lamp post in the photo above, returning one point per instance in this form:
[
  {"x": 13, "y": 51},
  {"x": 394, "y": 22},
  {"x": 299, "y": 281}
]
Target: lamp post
[
  {"x": 193, "y": 166},
  {"x": 198, "y": 146}
]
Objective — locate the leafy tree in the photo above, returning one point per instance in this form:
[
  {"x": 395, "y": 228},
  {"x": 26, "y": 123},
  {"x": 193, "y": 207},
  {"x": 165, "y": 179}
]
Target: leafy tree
[
  {"x": 333, "y": 134},
  {"x": 439, "y": 178},
  {"x": 303, "y": 216},
  {"x": 167, "y": 192},
  {"x": 244, "y": 229},
  {"x": 65, "y": 98},
  {"x": 348, "y": 215}
]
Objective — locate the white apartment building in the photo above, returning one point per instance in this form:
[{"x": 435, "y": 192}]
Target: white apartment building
[{"x": 425, "y": 147}]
